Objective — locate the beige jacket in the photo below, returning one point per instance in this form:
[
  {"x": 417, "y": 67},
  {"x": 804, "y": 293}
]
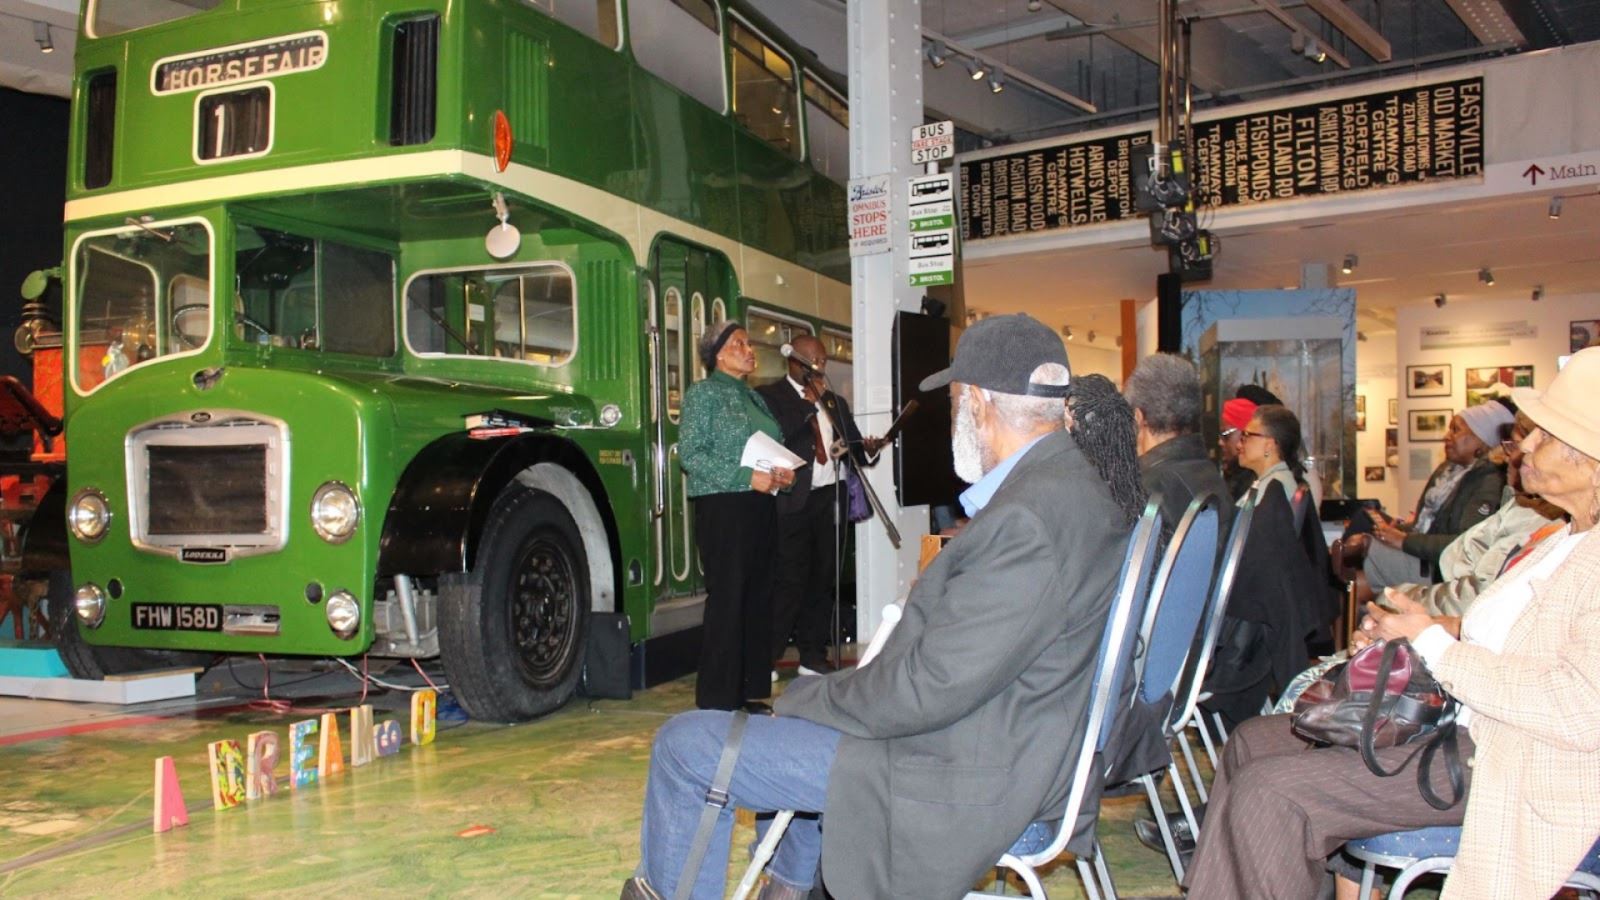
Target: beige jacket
[
  {"x": 1475, "y": 559},
  {"x": 1534, "y": 807}
]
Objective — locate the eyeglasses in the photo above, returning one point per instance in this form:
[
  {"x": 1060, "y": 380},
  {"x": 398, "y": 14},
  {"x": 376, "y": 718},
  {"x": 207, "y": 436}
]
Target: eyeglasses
[
  {"x": 1229, "y": 432},
  {"x": 1251, "y": 434}
]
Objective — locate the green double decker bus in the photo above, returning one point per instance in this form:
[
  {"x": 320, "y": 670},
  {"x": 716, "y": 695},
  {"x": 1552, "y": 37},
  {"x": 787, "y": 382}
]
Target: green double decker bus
[{"x": 378, "y": 314}]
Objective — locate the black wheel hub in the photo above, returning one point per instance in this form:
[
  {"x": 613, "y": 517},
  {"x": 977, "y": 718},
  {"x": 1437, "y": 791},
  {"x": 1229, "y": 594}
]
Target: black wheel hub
[{"x": 544, "y": 599}]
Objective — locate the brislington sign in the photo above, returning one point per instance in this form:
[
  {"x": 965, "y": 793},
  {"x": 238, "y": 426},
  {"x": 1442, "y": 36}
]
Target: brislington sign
[
  {"x": 241, "y": 62},
  {"x": 1407, "y": 136}
]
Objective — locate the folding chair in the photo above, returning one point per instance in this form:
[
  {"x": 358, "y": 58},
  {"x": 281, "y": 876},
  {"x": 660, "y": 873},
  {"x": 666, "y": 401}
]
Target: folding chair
[
  {"x": 1427, "y": 850},
  {"x": 1044, "y": 840},
  {"x": 1178, "y": 599}
]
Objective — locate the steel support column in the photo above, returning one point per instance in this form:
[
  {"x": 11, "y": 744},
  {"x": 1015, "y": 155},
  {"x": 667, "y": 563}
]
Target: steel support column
[{"x": 885, "y": 38}]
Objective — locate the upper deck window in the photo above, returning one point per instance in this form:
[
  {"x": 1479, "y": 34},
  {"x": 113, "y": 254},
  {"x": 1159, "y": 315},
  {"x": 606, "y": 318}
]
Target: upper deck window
[
  {"x": 681, "y": 41},
  {"x": 596, "y": 18},
  {"x": 523, "y": 313},
  {"x": 142, "y": 292},
  {"x": 764, "y": 89},
  {"x": 108, "y": 17},
  {"x": 827, "y": 130},
  {"x": 310, "y": 294}
]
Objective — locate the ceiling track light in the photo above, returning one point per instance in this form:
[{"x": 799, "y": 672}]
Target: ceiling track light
[
  {"x": 938, "y": 54},
  {"x": 41, "y": 36},
  {"x": 1091, "y": 337},
  {"x": 1350, "y": 262},
  {"x": 1035, "y": 5},
  {"x": 1440, "y": 300},
  {"x": 1555, "y": 207},
  {"x": 997, "y": 83},
  {"x": 1486, "y": 276},
  {"x": 1538, "y": 293},
  {"x": 976, "y": 70},
  {"x": 1066, "y": 332}
]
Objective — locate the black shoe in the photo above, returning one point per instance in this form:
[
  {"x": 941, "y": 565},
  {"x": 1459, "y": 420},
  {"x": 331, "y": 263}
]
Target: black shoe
[
  {"x": 757, "y": 708},
  {"x": 636, "y": 888},
  {"x": 1150, "y": 834}
]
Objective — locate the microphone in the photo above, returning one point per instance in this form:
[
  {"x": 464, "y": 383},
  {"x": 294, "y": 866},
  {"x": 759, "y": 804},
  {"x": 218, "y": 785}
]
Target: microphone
[{"x": 788, "y": 353}]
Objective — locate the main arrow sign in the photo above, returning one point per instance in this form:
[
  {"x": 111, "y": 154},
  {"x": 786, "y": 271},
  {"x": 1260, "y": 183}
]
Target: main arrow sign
[{"x": 1532, "y": 173}]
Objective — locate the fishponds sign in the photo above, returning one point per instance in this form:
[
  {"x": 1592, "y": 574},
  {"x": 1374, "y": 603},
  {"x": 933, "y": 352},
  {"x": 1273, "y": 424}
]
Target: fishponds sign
[{"x": 1418, "y": 134}]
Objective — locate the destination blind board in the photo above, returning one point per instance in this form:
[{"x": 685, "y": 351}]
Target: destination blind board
[{"x": 1418, "y": 134}]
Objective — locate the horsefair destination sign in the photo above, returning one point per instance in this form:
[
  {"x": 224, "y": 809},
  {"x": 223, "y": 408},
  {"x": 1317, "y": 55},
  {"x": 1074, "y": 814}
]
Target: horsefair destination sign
[
  {"x": 241, "y": 62},
  {"x": 1406, "y": 136}
]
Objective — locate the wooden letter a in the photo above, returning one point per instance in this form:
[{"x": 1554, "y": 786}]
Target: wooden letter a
[
  {"x": 330, "y": 758},
  {"x": 170, "y": 810}
]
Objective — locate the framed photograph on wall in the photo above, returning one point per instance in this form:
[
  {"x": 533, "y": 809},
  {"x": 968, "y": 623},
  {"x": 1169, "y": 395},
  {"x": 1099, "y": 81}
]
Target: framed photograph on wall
[
  {"x": 1394, "y": 411},
  {"x": 1373, "y": 473},
  {"x": 1429, "y": 424},
  {"x": 1585, "y": 333},
  {"x": 1428, "y": 381},
  {"x": 1490, "y": 382},
  {"x": 1361, "y": 412},
  {"x": 1391, "y": 447}
]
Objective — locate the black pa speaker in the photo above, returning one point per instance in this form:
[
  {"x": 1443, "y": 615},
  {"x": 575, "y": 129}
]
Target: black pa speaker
[
  {"x": 1169, "y": 313},
  {"x": 924, "y": 471}
]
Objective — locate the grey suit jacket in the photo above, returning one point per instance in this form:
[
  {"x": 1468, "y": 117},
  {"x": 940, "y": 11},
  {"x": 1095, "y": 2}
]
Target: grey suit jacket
[{"x": 961, "y": 732}]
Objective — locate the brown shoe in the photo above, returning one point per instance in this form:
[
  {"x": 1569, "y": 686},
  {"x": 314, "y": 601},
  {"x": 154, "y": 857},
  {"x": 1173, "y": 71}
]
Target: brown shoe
[{"x": 636, "y": 888}]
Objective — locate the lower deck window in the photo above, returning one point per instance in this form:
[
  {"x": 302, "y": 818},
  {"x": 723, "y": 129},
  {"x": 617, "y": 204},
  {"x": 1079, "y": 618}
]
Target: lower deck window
[{"x": 523, "y": 313}]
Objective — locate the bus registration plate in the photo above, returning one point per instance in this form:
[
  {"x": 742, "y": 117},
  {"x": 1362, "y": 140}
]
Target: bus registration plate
[{"x": 177, "y": 616}]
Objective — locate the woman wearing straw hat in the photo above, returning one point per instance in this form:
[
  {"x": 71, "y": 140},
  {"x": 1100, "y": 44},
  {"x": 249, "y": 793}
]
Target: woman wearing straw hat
[{"x": 1523, "y": 665}]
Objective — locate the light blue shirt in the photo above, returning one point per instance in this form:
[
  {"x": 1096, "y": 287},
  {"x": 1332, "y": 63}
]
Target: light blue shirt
[{"x": 978, "y": 496}]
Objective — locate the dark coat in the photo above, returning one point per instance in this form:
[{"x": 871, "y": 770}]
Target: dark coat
[
  {"x": 1475, "y": 499},
  {"x": 1179, "y": 470},
  {"x": 965, "y": 729},
  {"x": 794, "y": 420}
]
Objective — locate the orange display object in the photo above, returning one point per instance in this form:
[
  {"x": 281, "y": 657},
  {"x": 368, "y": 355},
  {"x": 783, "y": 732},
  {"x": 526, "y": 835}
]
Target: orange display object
[{"x": 49, "y": 387}]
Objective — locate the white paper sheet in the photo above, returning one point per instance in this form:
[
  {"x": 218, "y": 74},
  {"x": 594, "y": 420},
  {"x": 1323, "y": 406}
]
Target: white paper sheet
[{"x": 763, "y": 453}]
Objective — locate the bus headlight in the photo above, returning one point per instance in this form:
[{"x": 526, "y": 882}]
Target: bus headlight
[
  {"x": 88, "y": 515},
  {"x": 335, "y": 512},
  {"x": 90, "y": 604},
  {"x": 344, "y": 614}
]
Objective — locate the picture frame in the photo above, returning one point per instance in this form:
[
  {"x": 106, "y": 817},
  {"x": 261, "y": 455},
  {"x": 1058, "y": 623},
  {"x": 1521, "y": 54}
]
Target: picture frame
[
  {"x": 1428, "y": 381},
  {"x": 1374, "y": 473},
  {"x": 1486, "y": 383},
  {"x": 1361, "y": 412},
  {"x": 1394, "y": 411},
  {"x": 1391, "y": 448},
  {"x": 1428, "y": 424},
  {"x": 1584, "y": 333}
]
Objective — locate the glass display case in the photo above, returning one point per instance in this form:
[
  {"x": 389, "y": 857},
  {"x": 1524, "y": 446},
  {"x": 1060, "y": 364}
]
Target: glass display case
[{"x": 1301, "y": 361}]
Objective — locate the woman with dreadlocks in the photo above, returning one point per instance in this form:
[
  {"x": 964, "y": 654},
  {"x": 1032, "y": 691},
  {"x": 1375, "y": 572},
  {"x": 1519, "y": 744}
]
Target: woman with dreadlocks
[{"x": 1102, "y": 423}]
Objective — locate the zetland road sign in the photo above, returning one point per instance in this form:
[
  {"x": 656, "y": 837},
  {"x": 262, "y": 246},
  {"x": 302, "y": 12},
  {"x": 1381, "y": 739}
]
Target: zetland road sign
[
  {"x": 933, "y": 142},
  {"x": 931, "y": 200}
]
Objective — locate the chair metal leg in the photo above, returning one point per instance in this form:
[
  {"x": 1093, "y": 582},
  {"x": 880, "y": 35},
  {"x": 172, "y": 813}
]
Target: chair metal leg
[
  {"x": 1205, "y": 738},
  {"x": 1161, "y": 824},
  {"x": 1194, "y": 770},
  {"x": 1369, "y": 876},
  {"x": 1222, "y": 730},
  {"x": 1183, "y": 802},
  {"x": 1104, "y": 871},
  {"x": 1086, "y": 873},
  {"x": 1417, "y": 869},
  {"x": 763, "y": 854}
]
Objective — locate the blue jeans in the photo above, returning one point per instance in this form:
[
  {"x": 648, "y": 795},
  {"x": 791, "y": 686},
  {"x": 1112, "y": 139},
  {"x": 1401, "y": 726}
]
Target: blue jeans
[{"x": 783, "y": 764}]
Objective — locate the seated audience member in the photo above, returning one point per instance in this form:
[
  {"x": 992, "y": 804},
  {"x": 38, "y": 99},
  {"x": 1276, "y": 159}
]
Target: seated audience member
[
  {"x": 927, "y": 763},
  {"x": 1523, "y": 667},
  {"x": 1260, "y": 396},
  {"x": 1103, "y": 425},
  {"x": 1164, "y": 391},
  {"x": 1270, "y": 447},
  {"x": 1462, "y": 492},
  {"x": 1236, "y": 414}
]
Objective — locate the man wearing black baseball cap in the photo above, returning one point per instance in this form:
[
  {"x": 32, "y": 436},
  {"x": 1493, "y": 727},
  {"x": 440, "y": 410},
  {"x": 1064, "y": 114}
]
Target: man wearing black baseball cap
[{"x": 925, "y": 763}]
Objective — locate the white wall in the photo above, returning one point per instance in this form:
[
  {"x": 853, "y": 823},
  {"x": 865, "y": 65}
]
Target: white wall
[
  {"x": 1551, "y": 317},
  {"x": 1086, "y": 359},
  {"x": 1376, "y": 379}
]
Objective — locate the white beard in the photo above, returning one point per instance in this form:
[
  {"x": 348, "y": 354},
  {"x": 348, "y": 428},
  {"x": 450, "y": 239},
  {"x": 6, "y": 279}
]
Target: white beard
[{"x": 964, "y": 444}]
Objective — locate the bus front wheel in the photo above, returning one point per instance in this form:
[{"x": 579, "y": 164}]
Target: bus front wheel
[{"x": 512, "y": 631}]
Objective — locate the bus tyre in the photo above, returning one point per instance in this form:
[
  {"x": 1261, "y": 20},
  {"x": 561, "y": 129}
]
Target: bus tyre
[
  {"x": 84, "y": 660},
  {"x": 512, "y": 631}
]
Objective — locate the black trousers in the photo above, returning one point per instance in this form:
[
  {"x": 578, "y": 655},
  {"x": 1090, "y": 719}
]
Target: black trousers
[
  {"x": 803, "y": 590},
  {"x": 735, "y": 533}
]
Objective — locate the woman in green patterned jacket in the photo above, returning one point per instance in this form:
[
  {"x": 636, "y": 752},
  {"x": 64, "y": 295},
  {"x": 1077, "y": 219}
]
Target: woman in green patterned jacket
[{"x": 735, "y": 521}]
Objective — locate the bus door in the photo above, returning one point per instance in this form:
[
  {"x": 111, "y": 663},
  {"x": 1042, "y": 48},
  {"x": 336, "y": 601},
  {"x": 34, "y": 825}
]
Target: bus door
[{"x": 690, "y": 289}]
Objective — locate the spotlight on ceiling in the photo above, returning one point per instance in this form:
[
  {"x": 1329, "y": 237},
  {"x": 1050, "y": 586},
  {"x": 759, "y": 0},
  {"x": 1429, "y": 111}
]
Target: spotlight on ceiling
[
  {"x": 1555, "y": 207},
  {"x": 1349, "y": 263},
  {"x": 1035, "y": 5},
  {"x": 1361, "y": 336},
  {"x": 997, "y": 82},
  {"x": 1119, "y": 340},
  {"x": 938, "y": 54},
  {"x": 1066, "y": 332},
  {"x": 1440, "y": 300},
  {"x": 41, "y": 35},
  {"x": 1486, "y": 276},
  {"x": 1307, "y": 46},
  {"x": 976, "y": 70},
  {"x": 1538, "y": 293}
]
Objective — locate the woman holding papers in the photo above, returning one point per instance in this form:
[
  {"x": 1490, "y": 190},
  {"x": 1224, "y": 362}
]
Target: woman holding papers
[{"x": 734, "y": 518}]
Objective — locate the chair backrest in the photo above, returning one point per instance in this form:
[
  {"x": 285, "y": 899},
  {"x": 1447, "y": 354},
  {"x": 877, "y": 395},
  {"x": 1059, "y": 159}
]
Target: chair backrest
[
  {"x": 1112, "y": 664},
  {"x": 1178, "y": 601},
  {"x": 1301, "y": 504},
  {"x": 1194, "y": 671}
]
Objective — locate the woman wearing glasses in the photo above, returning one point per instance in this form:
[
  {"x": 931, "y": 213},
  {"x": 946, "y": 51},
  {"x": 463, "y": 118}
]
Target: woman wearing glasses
[{"x": 1270, "y": 447}]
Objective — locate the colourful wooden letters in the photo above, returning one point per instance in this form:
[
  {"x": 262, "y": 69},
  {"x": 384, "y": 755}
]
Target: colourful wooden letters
[
  {"x": 302, "y": 773},
  {"x": 170, "y": 809},
  {"x": 330, "y": 758},
  {"x": 389, "y": 737},
  {"x": 362, "y": 741},
  {"x": 227, "y": 774},
  {"x": 262, "y": 754},
  {"x": 424, "y": 706}
]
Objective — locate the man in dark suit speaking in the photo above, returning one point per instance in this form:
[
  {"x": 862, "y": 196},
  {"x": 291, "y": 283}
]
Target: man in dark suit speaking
[
  {"x": 810, "y": 520},
  {"x": 929, "y": 761}
]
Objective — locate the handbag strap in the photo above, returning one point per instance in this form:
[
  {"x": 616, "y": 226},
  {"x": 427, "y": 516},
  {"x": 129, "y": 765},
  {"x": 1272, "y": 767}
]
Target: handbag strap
[
  {"x": 716, "y": 802},
  {"x": 1369, "y": 720},
  {"x": 1443, "y": 740}
]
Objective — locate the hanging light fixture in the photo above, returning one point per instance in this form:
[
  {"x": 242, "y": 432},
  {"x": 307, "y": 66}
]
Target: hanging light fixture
[
  {"x": 1555, "y": 207},
  {"x": 1486, "y": 276},
  {"x": 1538, "y": 293},
  {"x": 1066, "y": 332},
  {"x": 41, "y": 35},
  {"x": 938, "y": 54},
  {"x": 1350, "y": 262},
  {"x": 997, "y": 82},
  {"x": 976, "y": 70}
]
